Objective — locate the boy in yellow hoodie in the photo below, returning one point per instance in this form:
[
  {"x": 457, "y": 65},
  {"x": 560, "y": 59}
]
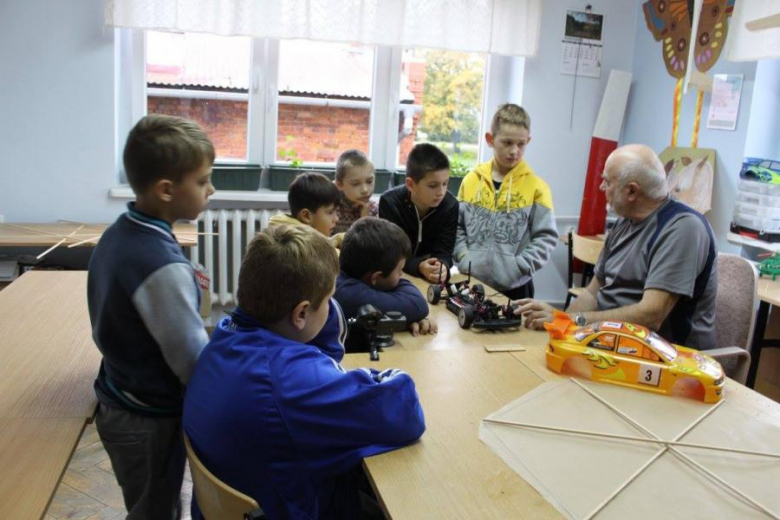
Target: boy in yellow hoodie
[{"x": 506, "y": 226}]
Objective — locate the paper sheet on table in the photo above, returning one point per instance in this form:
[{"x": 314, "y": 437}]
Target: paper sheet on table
[{"x": 577, "y": 473}]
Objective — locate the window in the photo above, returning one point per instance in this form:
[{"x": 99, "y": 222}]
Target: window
[
  {"x": 441, "y": 96},
  {"x": 662, "y": 346},
  {"x": 204, "y": 78},
  {"x": 272, "y": 102},
  {"x": 630, "y": 347},
  {"x": 603, "y": 341},
  {"x": 325, "y": 92}
]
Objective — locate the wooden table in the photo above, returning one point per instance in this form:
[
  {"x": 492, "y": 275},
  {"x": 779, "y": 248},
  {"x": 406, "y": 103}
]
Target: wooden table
[
  {"x": 451, "y": 336},
  {"x": 46, "y": 235},
  {"x": 769, "y": 295},
  {"x": 450, "y": 473},
  {"x": 49, "y": 364}
]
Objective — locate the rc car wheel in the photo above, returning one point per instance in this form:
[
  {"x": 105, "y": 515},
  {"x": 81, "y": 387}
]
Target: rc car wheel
[
  {"x": 434, "y": 294},
  {"x": 466, "y": 316}
]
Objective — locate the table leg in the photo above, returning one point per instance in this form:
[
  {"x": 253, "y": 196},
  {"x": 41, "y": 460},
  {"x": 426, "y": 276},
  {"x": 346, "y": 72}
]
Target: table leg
[{"x": 758, "y": 342}]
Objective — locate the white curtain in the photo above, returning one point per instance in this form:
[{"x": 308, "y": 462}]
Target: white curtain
[
  {"x": 508, "y": 27},
  {"x": 745, "y": 45}
]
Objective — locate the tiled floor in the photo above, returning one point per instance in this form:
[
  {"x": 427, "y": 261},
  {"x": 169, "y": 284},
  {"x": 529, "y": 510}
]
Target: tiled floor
[{"x": 89, "y": 491}]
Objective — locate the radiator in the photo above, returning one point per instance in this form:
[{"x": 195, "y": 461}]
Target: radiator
[{"x": 222, "y": 252}]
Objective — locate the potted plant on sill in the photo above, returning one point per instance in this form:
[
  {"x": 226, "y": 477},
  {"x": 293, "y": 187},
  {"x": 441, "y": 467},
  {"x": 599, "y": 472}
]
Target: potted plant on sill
[
  {"x": 239, "y": 177},
  {"x": 458, "y": 170},
  {"x": 282, "y": 175}
]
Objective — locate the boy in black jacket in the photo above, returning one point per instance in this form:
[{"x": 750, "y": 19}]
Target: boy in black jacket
[{"x": 426, "y": 211}]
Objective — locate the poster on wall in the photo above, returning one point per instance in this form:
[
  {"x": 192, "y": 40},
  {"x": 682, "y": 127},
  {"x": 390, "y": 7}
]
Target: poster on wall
[
  {"x": 582, "y": 44},
  {"x": 690, "y": 173},
  {"x": 724, "y": 105}
]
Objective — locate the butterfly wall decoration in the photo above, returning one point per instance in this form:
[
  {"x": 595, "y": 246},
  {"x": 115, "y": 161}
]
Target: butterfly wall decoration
[{"x": 670, "y": 22}]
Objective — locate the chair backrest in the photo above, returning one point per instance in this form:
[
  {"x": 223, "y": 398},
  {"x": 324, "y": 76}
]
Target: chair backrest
[
  {"x": 737, "y": 301},
  {"x": 216, "y": 499},
  {"x": 586, "y": 249}
]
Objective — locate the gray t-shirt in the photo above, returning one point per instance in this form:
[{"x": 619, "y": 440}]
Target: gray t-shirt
[{"x": 672, "y": 250}]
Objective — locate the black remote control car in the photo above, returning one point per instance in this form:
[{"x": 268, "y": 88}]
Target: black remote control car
[{"x": 471, "y": 306}]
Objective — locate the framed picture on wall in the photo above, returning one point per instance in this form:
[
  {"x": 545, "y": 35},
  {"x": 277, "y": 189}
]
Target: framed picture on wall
[{"x": 582, "y": 25}]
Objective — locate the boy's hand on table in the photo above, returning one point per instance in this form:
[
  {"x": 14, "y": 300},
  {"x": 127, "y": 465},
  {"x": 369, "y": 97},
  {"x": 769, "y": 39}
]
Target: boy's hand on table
[
  {"x": 424, "y": 326},
  {"x": 431, "y": 268},
  {"x": 536, "y": 313}
]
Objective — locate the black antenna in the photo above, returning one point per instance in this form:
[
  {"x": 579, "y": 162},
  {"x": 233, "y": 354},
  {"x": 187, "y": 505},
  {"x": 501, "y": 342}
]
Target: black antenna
[{"x": 468, "y": 280}]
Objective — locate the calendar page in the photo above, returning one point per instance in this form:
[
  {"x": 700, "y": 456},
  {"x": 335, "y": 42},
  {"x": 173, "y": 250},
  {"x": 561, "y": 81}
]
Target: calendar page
[{"x": 581, "y": 45}]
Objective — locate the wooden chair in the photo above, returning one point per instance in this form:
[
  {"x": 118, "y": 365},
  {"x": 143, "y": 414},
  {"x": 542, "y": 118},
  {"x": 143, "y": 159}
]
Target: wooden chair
[
  {"x": 736, "y": 306},
  {"x": 217, "y": 500},
  {"x": 586, "y": 250}
]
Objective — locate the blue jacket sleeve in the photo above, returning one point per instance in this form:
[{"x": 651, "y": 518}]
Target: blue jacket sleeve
[
  {"x": 338, "y": 417},
  {"x": 405, "y": 298},
  {"x": 330, "y": 339}
]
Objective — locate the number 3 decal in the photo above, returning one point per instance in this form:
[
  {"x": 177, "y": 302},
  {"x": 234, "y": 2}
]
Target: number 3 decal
[{"x": 649, "y": 374}]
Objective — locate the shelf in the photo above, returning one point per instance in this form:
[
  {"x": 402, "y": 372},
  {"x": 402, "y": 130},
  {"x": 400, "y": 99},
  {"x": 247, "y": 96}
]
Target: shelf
[{"x": 745, "y": 241}]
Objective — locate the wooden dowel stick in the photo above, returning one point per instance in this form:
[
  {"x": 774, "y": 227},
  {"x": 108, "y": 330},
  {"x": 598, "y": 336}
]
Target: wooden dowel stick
[
  {"x": 630, "y": 438},
  {"x": 39, "y": 231},
  {"x": 96, "y": 237},
  {"x": 625, "y": 484},
  {"x": 722, "y": 482},
  {"x": 55, "y": 246},
  {"x": 677, "y": 452},
  {"x": 52, "y": 248},
  {"x": 635, "y": 423}
]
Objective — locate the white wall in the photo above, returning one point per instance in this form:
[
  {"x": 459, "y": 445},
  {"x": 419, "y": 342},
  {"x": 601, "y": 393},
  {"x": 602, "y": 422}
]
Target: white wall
[
  {"x": 763, "y": 133},
  {"x": 650, "y": 122},
  {"x": 559, "y": 152},
  {"x": 56, "y": 112}
]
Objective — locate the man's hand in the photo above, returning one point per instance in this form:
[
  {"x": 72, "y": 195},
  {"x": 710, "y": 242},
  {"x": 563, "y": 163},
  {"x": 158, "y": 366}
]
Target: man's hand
[
  {"x": 432, "y": 268},
  {"x": 425, "y": 326},
  {"x": 536, "y": 313}
]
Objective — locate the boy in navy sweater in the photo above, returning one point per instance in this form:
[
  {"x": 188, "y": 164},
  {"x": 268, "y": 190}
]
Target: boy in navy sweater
[
  {"x": 270, "y": 410},
  {"x": 143, "y": 304},
  {"x": 372, "y": 259}
]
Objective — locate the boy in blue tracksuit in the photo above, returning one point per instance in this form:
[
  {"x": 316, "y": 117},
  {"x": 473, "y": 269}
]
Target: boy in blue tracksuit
[
  {"x": 372, "y": 259},
  {"x": 270, "y": 411},
  {"x": 143, "y": 306}
]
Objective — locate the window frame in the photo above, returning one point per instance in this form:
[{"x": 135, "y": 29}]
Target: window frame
[{"x": 500, "y": 85}]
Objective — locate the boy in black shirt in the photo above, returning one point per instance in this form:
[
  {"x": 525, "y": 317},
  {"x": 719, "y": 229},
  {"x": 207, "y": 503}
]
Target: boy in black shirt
[{"x": 426, "y": 211}]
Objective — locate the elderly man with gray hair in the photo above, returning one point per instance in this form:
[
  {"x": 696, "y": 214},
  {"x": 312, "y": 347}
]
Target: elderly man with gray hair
[{"x": 658, "y": 266}]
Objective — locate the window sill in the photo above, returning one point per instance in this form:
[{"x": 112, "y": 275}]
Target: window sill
[{"x": 261, "y": 195}]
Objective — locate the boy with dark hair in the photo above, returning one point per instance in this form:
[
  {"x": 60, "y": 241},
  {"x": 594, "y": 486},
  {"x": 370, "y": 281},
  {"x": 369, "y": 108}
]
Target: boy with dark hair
[
  {"x": 373, "y": 254},
  {"x": 506, "y": 229},
  {"x": 355, "y": 181},
  {"x": 313, "y": 199},
  {"x": 426, "y": 211},
  {"x": 269, "y": 412},
  {"x": 143, "y": 303}
]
